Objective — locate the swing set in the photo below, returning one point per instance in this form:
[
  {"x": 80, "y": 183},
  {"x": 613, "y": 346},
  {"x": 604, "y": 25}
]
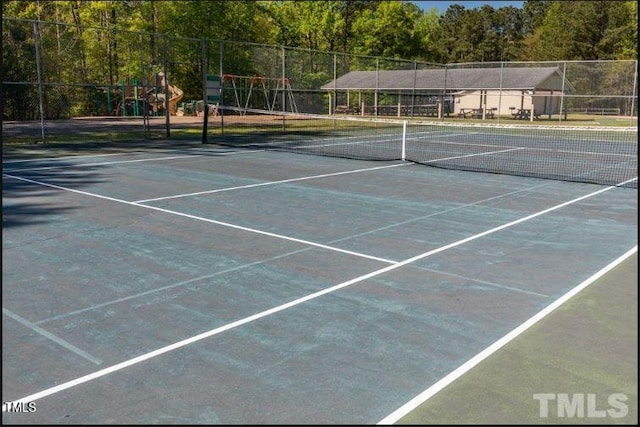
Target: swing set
[{"x": 261, "y": 93}]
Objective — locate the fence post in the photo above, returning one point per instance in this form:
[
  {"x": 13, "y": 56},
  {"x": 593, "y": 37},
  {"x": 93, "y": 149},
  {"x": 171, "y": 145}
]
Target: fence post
[
  {"x": 205, "y": 109},
  {"x": 633, "y": 94},
  {"x": 220, "y": 71},
  {"x": 36, "y": 36},
  {"x": 444, "y": 93},
  {"x": 167, "y": 113},
  {"x": 145, "y": 98},
  {"x": 413, "y": 88},
  {"x": 562, "y": 110},
  {"x": 333, "y": 100},
  {"x": 284, "y": 78},
  {"x": 375, "y": 94},
  {"x": 500, "y": 91}
]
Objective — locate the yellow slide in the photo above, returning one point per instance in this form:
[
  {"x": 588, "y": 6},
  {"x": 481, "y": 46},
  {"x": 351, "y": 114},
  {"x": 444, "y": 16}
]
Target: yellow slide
[
  {"x": 176, "y": 95},
  {"x": 157, "y": 100}
]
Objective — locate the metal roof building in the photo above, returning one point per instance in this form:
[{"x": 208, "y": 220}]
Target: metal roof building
[
  {"x": 453, "y": 79},
  {"x": 506, "y": 89}
]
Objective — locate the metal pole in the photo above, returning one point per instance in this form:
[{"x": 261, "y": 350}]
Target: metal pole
[
  {"x": 333, "y": 101},
  {"x": 123, "y": 89},
  {"x": 413, "y": 89},
  {"x": 500, "y": 92},
  {"x": 444, "y": 93},
  {"x": 284, "y": 93},
  {"x": 205, "y": 109},
  {"x": 403, "y": 155},
  {"x": 375, "y": 94},
  {"x": 166, "y": 89},
  {"x": 564, "y": 76},
  {"x": 36, "y": 35},
  {"x": 136, "y": 109},
  {"x": 145, "y": 102},
  {"x": 284, "y": 76},
  {"x": 633, "y": 96},
  {"x": 221, "y": 55}
]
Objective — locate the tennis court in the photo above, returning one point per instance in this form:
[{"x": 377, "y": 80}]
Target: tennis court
[{"x": 240, "y": 282}]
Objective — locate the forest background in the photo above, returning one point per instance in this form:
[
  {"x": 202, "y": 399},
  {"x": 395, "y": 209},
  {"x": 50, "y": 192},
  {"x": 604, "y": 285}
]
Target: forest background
[
  {"x": 539, "y": 31},
  {"x": 76, "y": 53}
]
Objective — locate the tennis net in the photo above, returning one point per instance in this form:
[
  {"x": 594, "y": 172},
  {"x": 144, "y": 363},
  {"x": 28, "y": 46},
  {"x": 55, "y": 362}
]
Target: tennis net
[{"x": 600, "y": 155}]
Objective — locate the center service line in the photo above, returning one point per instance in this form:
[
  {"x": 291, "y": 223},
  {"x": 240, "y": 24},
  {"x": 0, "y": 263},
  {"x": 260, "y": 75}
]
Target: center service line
[
  {"x": 262, "y": 184},
  {"x": 249, "y": 319}
]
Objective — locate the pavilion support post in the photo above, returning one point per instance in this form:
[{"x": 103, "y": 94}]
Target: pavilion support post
[
  {"x": 532, "y": 105},
  {"x": 484, "y": 105}
]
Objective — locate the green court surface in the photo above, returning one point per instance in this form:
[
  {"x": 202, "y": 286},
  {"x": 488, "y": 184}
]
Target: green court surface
[{"x": 588, "y": 346}]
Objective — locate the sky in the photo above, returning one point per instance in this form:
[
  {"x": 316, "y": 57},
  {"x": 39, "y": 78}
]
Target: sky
[{"x": 442, "y": 5}]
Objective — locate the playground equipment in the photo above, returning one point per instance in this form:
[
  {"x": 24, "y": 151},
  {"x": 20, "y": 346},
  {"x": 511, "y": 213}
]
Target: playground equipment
[
  {"x": 262, "y": 92},
  {"x": 157, "y": 98},
  {"x": 133, "y": 99}
]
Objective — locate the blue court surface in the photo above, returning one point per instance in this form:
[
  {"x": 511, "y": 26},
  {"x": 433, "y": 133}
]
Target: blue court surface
[{"x": 191, "y": 283}]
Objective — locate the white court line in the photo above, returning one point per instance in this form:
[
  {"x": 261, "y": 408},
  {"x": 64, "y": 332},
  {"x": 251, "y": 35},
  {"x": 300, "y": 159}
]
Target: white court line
[
  {"x": 219, "y": 190},
  {"x": 487, "y": 153},
  {"x": 199, "y": 218},
  {"x": 484, "y": 282},
  {"x": 56, "y": 339},
  {"x": 88, "y": 156},
  {"x": 464, "y": 368},
  {"x": 387, "y": 227},
  {"x": 268, "y": 312},
  {"x": 128, "y": 153},
  {"x": 262, "y": 184},
  {"x": 168, "y": 287},
  {"x": 84, "y": 165}
]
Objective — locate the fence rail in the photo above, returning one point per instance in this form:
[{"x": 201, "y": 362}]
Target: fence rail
[{"x": 600, "y": 111}]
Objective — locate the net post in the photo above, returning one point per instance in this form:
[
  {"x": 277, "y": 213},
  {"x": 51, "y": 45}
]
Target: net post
[{"x": 404, "y": 140}]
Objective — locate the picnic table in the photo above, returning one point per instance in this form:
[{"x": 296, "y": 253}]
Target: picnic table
[
  {"x": 522, "y": 113},
  {"x": 477, "y": 113},
  {"x": 464, "y": 112}
]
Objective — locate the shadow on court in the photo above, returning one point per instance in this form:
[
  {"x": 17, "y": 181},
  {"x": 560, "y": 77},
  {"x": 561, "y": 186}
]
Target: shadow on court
[{"x": 22, "y": 199}]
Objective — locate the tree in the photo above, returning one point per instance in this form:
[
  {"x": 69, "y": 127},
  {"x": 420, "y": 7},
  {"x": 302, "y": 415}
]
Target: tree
[
  {"x": 388, "y": 30},
  {"x": 584, "y": 30},
  {"x": 430, "y": 38}
]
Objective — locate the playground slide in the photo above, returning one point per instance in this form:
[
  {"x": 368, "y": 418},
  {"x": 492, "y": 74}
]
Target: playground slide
[
  {"x": 176, "y": 95},
  {"x": 157, "y": 100}
]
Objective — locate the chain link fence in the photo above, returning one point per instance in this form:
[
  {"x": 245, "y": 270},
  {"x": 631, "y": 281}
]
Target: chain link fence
[{"x": 92, "y": 78}]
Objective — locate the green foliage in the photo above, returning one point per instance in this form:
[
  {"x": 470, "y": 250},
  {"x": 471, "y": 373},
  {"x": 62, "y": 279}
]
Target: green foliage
[
  {"x": 388, "y": 31},
  {"x": 541, "y": 30},
  {"x": 586, "y": 30},
  {"x": 108, "y": 42}
]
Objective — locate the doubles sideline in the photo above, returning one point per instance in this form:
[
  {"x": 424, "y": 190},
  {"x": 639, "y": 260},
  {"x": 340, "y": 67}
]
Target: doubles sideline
[{"x": 413, "y": 404}]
